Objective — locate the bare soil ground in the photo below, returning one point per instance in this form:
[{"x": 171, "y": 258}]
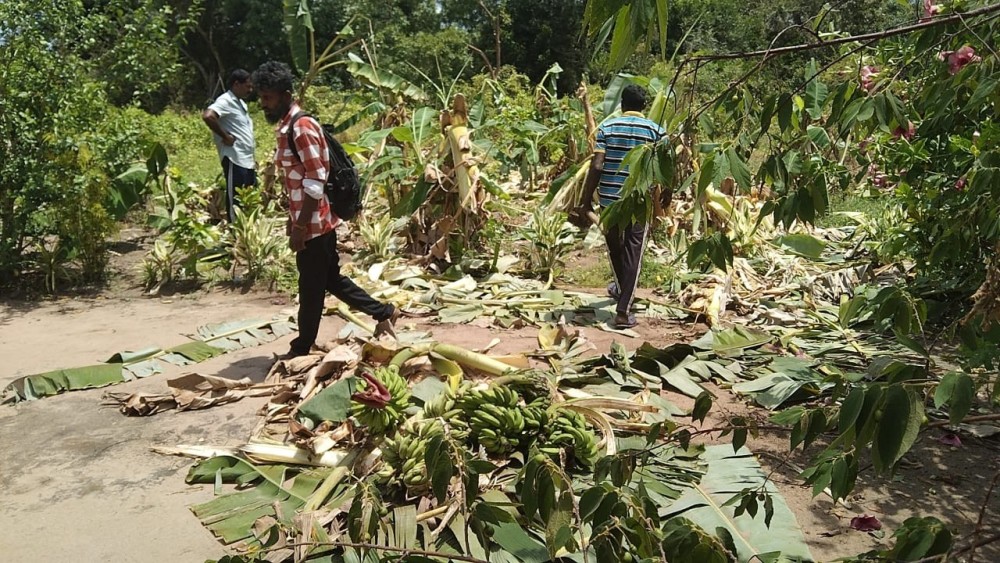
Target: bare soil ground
[{"x": 79, "y": 483}]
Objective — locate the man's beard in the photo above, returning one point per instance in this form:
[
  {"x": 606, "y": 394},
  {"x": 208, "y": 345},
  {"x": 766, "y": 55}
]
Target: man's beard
[{"x": 275, "y": 117}]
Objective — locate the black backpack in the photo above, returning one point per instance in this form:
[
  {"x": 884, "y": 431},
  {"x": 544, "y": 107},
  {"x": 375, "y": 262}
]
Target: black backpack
[{"x": 343, "y": 185}]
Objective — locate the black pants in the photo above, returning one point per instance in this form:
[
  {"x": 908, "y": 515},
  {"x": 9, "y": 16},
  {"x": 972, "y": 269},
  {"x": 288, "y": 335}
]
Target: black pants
[
  {"x": 319, "y": 272},
  {"x": 625, "y": 247},
  {"x": 236, "y": 176}
]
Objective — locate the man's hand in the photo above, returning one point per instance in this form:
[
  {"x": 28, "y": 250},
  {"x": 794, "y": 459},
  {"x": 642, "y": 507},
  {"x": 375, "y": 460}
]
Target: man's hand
[
  {"x": 228, "y": 139},
  {"x": 297, "y": 238},
  {"x": 580, "y": 218}
]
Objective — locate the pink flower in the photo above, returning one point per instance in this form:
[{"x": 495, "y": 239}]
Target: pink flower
[
  {"x": 958, "y": 59},
  {"x": 908, "y": 133},
  {"x": 930, "y": 10},
  {"x": 951, "y": 439},
  {"x": 866, "y": 523},
  {"x": 960, "y": 185},
  {"x": 868, "y": 74}
]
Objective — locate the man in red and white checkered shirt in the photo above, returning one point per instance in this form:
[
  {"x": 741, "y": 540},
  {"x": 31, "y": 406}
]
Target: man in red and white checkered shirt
[{"x": 312, "y": 225}]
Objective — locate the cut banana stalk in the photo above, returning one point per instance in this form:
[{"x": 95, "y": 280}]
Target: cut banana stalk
[{"x": 277, "y": 453}]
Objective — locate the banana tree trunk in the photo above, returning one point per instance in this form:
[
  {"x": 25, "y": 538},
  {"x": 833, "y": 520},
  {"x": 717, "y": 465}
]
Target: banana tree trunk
[{"x": 466, "y": 172}]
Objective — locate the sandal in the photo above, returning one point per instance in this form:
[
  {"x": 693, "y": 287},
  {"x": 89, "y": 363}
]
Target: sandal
[
  {"x": 625, "y": 321},
  {"x": 613, "y": 291}
]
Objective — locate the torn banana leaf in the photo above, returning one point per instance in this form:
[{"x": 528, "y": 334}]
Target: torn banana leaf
[
  {"x": 191, "y": 353},
  {"x": 732, "y": 342},
  {"x": 236, "y": 335},
  {"x": 142, "y": 369},
  {"x": 707, "y": 505},
  {"x": 231, "y": 516},
  {"x": 130, "y": 357},
  {"x": 188, "y": 392},
  {"x": 331, "y": 404},
  {"x": 774, "y": 389},
  {"x": 459, "y": 314},
  {"x": 33, "y": 387}
]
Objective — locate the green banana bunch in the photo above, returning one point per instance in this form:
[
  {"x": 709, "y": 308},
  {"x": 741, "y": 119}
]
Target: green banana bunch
[
  {"x": 495, "y": 418},
  {"x": 536, "y": 416},
  {"x": 444, "y": 408},
  {"x": 381, "y": 404},
  {"x": 404, "y": 454},
  {"x": 568, "y": 429}
]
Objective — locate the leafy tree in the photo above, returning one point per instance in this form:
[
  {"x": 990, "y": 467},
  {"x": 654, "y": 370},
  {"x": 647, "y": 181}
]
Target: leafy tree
[
  {"x": 552, "y": 28},
  {"x": 59, "y": 144},
  {"x": 230, "y": 34},
  {"x": 131, "y": 46}
]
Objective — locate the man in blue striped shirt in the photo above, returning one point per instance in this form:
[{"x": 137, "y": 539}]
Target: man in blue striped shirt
[{"x": 615, "y": 137}]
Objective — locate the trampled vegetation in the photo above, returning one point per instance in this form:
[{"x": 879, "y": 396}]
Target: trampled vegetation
[{"x": 827, "y": 200}]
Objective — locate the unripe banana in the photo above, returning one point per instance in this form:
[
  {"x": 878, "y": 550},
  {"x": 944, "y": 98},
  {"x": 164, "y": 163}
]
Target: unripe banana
[{"x": 380, "y": 419}]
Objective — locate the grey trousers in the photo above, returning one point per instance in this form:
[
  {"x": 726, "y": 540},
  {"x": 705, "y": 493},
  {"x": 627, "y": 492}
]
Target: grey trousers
[{"x": 625, "y": 248}]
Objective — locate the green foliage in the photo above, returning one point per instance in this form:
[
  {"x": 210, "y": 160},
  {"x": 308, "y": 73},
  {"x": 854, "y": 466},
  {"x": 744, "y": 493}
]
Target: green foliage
[
  {"x": 553, "y": 26},
  {"x": 628, "y": 23},
  {"x": 132, "y": 48},
  {"x": 380, "y": 237},
  {"x": 56, "y": 180},
  {"x": 256, "y": 240},
  {"x": 551, "y": 238},
  {"x": 192, "y": 243},
  {"x": 916, "y": 540}
]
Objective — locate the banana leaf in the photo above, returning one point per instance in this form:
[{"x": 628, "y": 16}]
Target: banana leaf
[
  {"x": 332, "y": 403},
  {"x": 191, "y": 353},
  {"x": 129, "y": 356},
  {"x": 733, "y": 341},
  {"x": 374, "y": 108},
  {"x": 40, "y": 385},
  {"x": 126, "y": 190},
  {"x": 706, "y": 505},
  {"x": 231, "y": 516},
  {"x": 383, "y": 79},
  {"x": 803, "y": 245},
  {"x": 236, "y": 335},
  {"x": 298, "y": 28},
  {"x": 784, "y": 379}
]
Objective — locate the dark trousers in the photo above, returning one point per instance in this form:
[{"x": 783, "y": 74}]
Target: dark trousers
[
  {"x": 236, "y": 176},
  {"x": 319, "y": 272},
  {"x": 625, "y": 247}
]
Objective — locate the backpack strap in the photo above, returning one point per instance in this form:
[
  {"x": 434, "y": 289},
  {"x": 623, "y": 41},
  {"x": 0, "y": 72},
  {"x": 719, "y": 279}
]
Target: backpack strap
[{"x": 291, "y": 132}]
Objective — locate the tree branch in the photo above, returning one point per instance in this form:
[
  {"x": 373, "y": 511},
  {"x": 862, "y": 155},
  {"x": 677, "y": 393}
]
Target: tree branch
[
  {"x": 489, "y": 65},
  {"x": 768, "y": 53},
  {"x": 982, "y": 513},
  {"x": 966, "y": 420}
]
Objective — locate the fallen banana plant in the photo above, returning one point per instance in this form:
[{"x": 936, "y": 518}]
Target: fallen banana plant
[
  {"x": 436, "y": 448},
  {"x": 508, "y": 300}
]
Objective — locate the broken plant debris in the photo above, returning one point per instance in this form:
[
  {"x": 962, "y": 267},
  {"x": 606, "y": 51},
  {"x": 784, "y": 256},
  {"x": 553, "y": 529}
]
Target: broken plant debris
[
  {"x": 210, "y": 341},
  {"x": 485, "y": 460}
]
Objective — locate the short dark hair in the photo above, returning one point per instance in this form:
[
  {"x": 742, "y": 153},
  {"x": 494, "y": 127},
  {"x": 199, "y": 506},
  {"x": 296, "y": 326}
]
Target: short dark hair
[
  {"x": 238, "y": 75},
  {"x": 273, "y": 76},
  {"x": 633, "y": 98}
]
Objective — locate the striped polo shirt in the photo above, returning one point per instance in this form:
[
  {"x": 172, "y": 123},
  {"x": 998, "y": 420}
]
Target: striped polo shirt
[{"x": 615, "y": 137}]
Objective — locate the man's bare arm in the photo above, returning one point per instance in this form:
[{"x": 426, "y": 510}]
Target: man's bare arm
[
  {"x": 593, "y": 178},
  {"x": 212, "y": 120}
]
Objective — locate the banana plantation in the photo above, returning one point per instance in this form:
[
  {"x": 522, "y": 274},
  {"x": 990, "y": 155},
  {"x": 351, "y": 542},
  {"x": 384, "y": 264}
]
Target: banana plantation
[{"x": 817, "y": 346}]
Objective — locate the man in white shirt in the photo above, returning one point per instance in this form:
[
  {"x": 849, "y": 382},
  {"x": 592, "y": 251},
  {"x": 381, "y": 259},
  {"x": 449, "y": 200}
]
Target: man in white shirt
[{"x": 230, "y": 122}]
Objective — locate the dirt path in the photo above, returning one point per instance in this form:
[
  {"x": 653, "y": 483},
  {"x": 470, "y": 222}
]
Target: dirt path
[{"x": 79, "y": 483}]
